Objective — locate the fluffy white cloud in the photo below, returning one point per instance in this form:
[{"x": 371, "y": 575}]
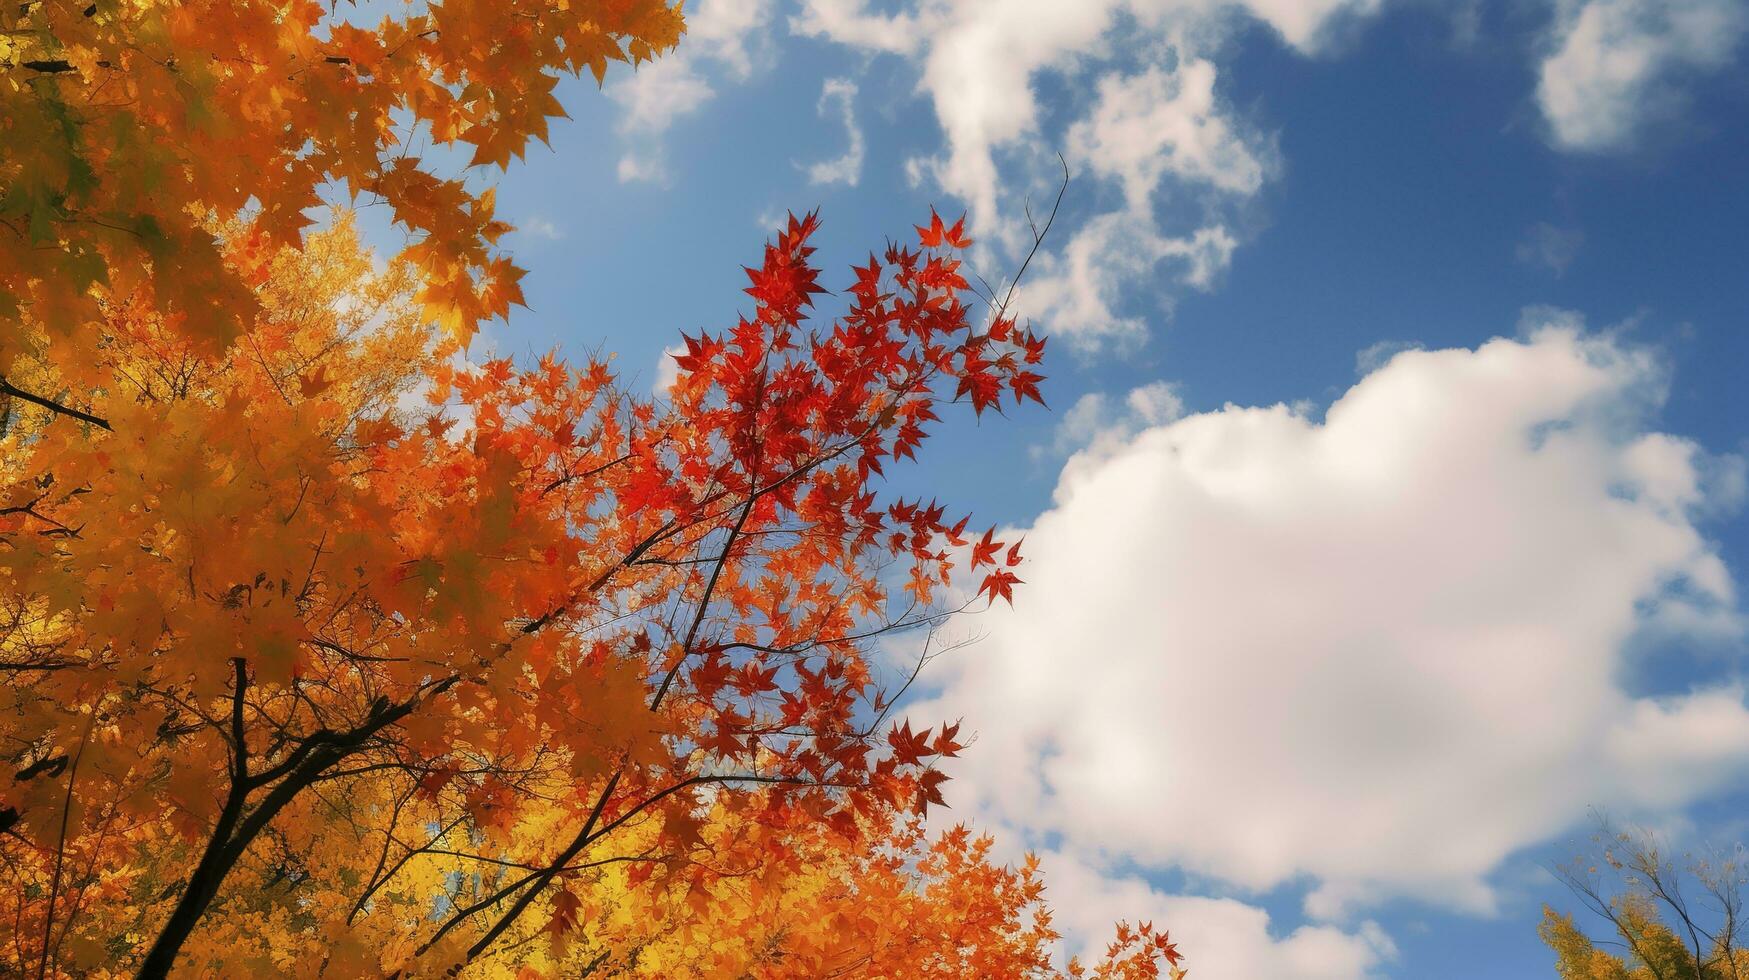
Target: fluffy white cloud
[
  {"x": 660, "y": 92},
  {"x": 1143, "y": 128},
  {"x": 848, "y": 22},
  {"x": 978, "y": 62},
  {"x": 1077, "y": 289},
  {"x": 728, "y": 31},
  {"x": 847, "y": 169},
  {"x": 1094, "y": 417},
  {"x": 980, "y": 57},
  {"x": 1265, "y": 648},
  {"x": 1612, "y": 63},
  {"x": 1222, "y": 937},
  {"x": 1157, "y": 122},
  {"x": 721, "y": 37},
  {"x": 1307, "y": 24},
  {"x": 667, "y": 369},
  {"x": 1155, "y": 403},
  {"x": 1084, "y": 421}
]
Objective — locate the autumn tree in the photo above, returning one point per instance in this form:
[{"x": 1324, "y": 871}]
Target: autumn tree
[
  {"x": 337, "y": 654},
  {"x": 328, "y": 653},
  {"x": 1667, "y": 917}
]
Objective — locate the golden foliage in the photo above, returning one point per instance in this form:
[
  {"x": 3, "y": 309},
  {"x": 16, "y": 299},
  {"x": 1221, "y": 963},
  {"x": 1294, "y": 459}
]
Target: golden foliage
[{"x": 127, "y": 125}]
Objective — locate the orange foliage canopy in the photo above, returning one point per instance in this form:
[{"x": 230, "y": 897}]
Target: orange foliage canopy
[{"x": 326, "y": 654}]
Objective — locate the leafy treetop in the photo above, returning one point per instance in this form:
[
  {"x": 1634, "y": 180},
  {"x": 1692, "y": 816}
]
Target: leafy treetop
[{"x": 127, "y": 126}]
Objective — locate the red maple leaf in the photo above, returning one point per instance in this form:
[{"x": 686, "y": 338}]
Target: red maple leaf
[
  {"x": 1000, "y": 585},
  {"x": 909, "y": 747},
  {"x": 984, "y": 552}
]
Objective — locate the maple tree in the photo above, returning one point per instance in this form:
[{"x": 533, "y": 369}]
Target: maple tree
[
  {"x": 1668, "y": 921},
  {"x": 332, "y": 654}
]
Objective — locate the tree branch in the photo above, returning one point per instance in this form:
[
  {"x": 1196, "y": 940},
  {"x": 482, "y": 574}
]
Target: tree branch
[{"x": 7, "y": 388}]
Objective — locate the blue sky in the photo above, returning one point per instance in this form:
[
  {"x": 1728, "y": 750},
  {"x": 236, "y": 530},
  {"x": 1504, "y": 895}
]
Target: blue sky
[{"x": 1388, "y": 513}]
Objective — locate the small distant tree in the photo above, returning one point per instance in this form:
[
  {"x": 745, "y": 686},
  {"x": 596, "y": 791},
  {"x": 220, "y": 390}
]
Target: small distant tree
[{"x": 1669, "y": 917}]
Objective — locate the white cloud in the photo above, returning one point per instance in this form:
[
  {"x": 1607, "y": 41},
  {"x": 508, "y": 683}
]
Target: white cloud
[
  {"x": 634, "y": 166},
  {"x": 539, "y": 226},
  {"x": 721, "y": 37},
  {"x": 1155, "y": 403},
  {"x": 1143, "y": 128},
  {"x": 978, "y": 62},
  {"x": 1221, "y": 937},
  {"x": 1307, "y": 24},
  {"x": 667, "y": 370},
  {"x": 1550, "y": 247},
  {"x": 846, "y": 169},
  {"x": 772, "y": 219},
  {"x": 1084, "y": 420},
  {"x": 1157, "y": 122},
  {"x": 846, "y": 21},
  {"x": 1378, "y": 354},
  {"x": 1465, "y": 18},
  {"x": 1077, "y": 290},
  {"x": 1093, "y": 417},
  {"x": 1614, "y": 64},
  {"x": 660, "y": 92},
  {"x": 1378, "y": 653},
  {"x": 729, "y": 31},
  {"x": 980, "y": 57}
]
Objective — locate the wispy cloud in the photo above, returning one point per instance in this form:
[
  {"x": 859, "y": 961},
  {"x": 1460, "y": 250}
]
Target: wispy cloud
[
  {"x": 1097, "y": 419},
  {"x": 667, "y": 369},
  {"x": 1614, "y": 65},
  {"x": 1550, "y": 247},
  {"x": 540, "y": 226},
  {"x": 840, "y": 94},
  {"x": 1160, "y": 134},
  {"x": 722, "y": 38}
]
